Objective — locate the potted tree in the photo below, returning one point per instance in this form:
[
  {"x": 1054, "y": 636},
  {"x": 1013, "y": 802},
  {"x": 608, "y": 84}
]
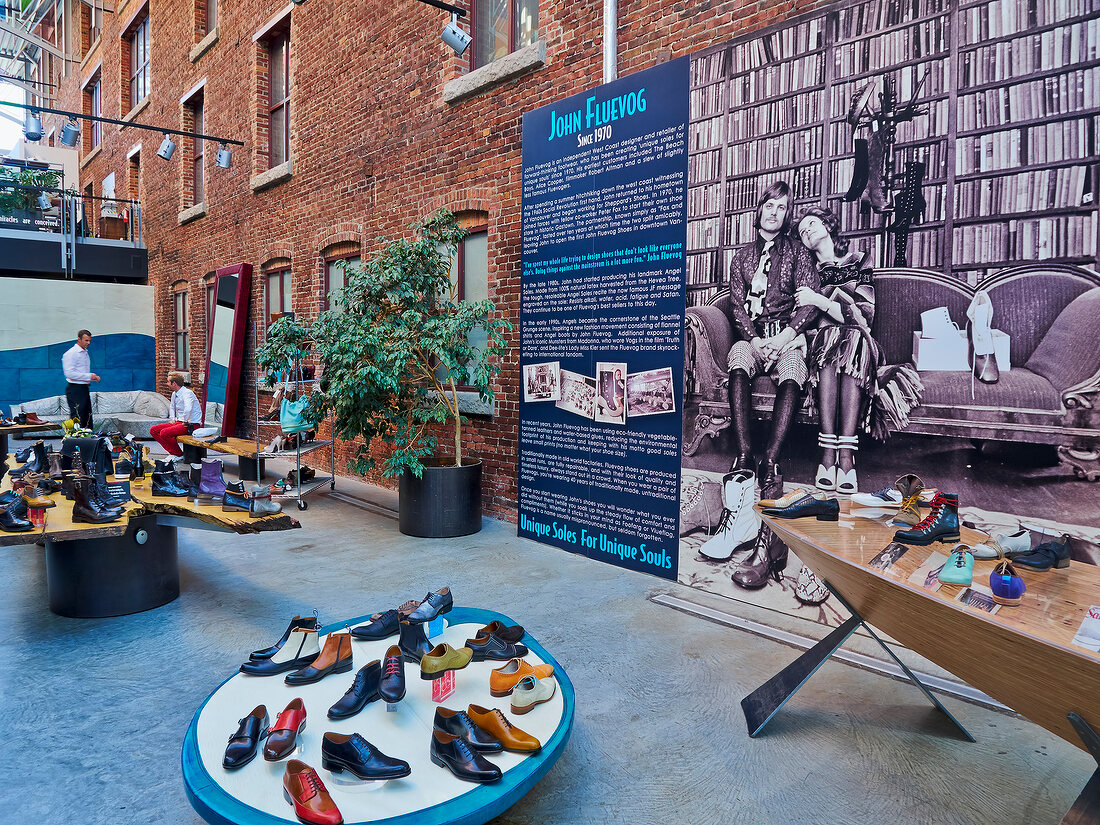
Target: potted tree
[{"x": 394, "y": 349}]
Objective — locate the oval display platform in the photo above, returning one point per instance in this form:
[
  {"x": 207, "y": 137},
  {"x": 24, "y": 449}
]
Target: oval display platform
[{"x": 253, "y": 795}]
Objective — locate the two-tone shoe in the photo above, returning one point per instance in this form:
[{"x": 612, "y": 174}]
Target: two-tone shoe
[
  {"x": 335, "y": 657},
  {"x": 456, "y": 755},
  {"x": 244, "y": 744},
  {"x": 354, "y": 754},
  {"x": 381, "y": 626},
  {"x": 502, "y": 680},
  {"x": 1049, "y": 554},
  {"x": 959, "y": 567},
  {"x": 941, "y": 523},
  {"x": 496, "y": 724},
  {"x": 434, "y": 604},
  {"x": 282, "y": 737},
  {"x": 1007, "y": 586},
  {"x": 459, "y": 723},
  {"x": 392, "y": 686},
  {"x": 303, "y": 622},
  {"x": 235, "y": 499},
  {"x": 364, "y": 690},
  {"x": 530, "y": 692},
  {"x": 300, "y": 649},
  {"x": 309, "y": 797},
  {"x": 818, "y": 505},
  {"x": 787, "y": 499},
  {"x": 442, "y": 658},
  {"x": 513, "y": 633},
  {"x": 493, "y": 648}
]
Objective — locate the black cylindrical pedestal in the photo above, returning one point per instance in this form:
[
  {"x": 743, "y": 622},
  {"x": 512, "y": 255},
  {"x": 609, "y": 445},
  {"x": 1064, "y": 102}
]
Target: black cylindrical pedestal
[
  {"x": 445, "y": 501},
  {"x": 114, "y": 576},
  {"x": 193, "y": 454},
  {"x": 251, "y": 469}
]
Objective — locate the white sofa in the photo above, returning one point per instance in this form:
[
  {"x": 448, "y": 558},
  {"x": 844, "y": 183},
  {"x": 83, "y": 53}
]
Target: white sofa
[{"x": 131, "y": 413}]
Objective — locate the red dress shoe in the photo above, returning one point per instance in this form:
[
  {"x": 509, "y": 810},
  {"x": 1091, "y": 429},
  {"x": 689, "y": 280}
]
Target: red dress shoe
[
  {"x": 304, "y": 789},
  {"x": 283, "y": 735}
]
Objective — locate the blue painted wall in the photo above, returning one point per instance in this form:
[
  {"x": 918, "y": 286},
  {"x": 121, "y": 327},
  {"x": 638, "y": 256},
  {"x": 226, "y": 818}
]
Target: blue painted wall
[{"x": 123, "y": 361}]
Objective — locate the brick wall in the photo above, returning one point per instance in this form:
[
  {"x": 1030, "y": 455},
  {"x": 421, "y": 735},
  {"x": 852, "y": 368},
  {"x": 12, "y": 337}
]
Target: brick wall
[{"x": 374, "y": 146}]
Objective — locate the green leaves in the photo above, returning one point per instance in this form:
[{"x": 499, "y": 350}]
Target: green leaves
[{"x": 395, "y": 348}]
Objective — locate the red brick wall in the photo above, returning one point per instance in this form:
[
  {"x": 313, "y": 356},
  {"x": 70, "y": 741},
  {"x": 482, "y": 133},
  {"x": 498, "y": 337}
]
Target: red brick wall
[{"x": 374, "y": 146}]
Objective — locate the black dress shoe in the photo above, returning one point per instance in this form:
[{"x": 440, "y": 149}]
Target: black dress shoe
[
  {"x": 340, "y": 752},
  {"x": 309, "y": 622},
  {"x": 413, "y": 642},
  {"x": 459, "y": 723},
  {"x": 11, "y": 523},
  {"x": 392, "y": 688},
  {"x": 455, "y": 754},
  {"x": 363, "y": 691},
  {"x": 244, "y": 744},
  {"x": 826, "y": 509},
  {"x": 494, "y": 648},
  {"x": 1047, "y": 555},
  {"x": 387, "y": 624},
  {"x": 434, "y": 604}
]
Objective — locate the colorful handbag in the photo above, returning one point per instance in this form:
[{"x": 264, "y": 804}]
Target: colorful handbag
[{"x": 292, "y": 413}]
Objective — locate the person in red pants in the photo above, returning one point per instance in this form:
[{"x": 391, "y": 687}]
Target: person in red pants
[{"x": 185, "y": 415}]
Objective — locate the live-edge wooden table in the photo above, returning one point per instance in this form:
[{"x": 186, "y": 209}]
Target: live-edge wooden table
[
  {"x": 129, "y": 565},
  {"x": 1023, "y": 656},
  {"x": 22, "y": 429}
]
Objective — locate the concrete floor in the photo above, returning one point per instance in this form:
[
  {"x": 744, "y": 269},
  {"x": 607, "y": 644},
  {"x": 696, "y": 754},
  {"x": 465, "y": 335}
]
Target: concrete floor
[{"x": 96, "y": 710}]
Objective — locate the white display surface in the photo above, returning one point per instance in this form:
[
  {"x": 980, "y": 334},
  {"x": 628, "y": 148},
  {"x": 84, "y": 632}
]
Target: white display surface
[{"x": 402, "y": 734}]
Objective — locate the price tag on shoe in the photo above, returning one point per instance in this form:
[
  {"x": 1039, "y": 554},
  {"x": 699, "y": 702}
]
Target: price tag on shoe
[{"x": 443, "y": 687}]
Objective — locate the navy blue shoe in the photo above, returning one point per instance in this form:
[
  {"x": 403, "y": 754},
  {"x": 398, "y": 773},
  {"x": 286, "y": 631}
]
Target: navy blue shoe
[
  {"x": 825, "y": 509},
  {"x": 459, "y": 723},
  {"x": 382, "y": 627},
  {"x": 357, "y": 756},
  {"x": 364, "y": 690},
  {"x": 434, "y": 604}
]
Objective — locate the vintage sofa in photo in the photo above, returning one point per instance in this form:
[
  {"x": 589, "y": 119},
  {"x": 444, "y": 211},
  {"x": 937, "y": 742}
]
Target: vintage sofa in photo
[
  {"x": 1050, "y": 396},
  {"x": 132, "y": 413}
]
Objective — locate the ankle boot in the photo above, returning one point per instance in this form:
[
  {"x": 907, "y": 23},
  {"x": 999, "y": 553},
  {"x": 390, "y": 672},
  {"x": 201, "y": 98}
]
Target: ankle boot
[
  {"x": 910, "y": 486},
  {"x": 941, "y": 524},
  {"x": 740, "y": 396},
  {"x": 212, "y": 483},
  {"x": 413, "y": 642},
  {"x": 335, "y": 657},
  {"x": 84, "y": 507},
  {"x": 299, "y": 650},
  {"x": 55, "y": 465},
  {"x": 97, "y": 494},
  {"x": 768, "y": 559},
  {"x": 166, "y": 484},
  {"x": 235, "y": 498},
  {"x": 739, "y": 525},
  {"x": 166, "y": 466},
  {"x": 24, "y": 455},
  {"x": 124, "y": 466},
  {"x": 260, "y": 507}
]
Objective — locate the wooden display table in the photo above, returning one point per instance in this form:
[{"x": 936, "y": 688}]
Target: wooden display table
[
  {"x": 129, "y": 565},
  {"x": 251, "y": 465},
  {"x": 1023, "y": 656},
  {"x": 20, "y": 429}
]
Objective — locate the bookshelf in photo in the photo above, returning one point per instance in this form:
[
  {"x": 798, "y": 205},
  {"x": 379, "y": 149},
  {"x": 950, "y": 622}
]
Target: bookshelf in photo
[{"x": 1009, "y": 129}]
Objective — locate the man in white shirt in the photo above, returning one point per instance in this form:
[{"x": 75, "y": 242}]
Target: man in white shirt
[
  {"x": 77, "y": 366},
  {"x": 185, "y": 415}
]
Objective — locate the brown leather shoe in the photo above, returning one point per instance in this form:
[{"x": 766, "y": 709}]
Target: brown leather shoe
[
  {"x": 442, "y": 658},
  {"x": 495, "y": 723},
  {"x": 503, "y": 680},
  {"x": 304, "y": 790},
  {"x": 335, "y": 657},
  {"x": 39, "y": 502},
  {"x": 32, "y": 418}
]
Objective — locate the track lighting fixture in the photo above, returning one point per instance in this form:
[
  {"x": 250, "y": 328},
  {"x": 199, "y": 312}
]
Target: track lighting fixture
[
  {"x": 44, "y": 201},
  {"x": 70, "y": 133},
  {"x": 32, "y": 129},
  {"x": 454, "y": 37},
  {"x": 167, "y": 148},
  {"x": 224, "y": 157}
]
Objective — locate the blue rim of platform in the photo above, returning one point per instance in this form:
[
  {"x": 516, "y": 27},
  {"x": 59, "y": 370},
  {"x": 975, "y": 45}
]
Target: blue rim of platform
[{"x": 474, "y": 807}]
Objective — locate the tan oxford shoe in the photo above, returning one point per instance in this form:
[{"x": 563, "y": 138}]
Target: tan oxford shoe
[{"x": 495, "y": 723}]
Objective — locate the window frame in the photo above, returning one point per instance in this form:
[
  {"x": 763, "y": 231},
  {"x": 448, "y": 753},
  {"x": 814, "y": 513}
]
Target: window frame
[
  {"x": 181, "y": 329},
  {"x": 211, "y": 21},
  {"x": 95, "y": 26},
  {"x": 138, "y": 39},
  {"x": 513, "y": 30},
  {"x": 282, "y": 273},
  {"x": 328, "y": 260},
  {"x": 94, "y": 90},
  {"x": 460, "y": 276},
  {"x": 278, "y": 39},
  {"x": 197, "y": 106}
]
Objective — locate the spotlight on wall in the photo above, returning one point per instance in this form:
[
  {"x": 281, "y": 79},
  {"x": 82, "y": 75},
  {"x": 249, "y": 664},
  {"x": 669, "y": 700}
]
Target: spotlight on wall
[
  {"x": 32, "y": 129},
  {"x": 454, "y": 37},
  {"x": 44, "y": 201},
  {"x": 70, "y": 133},
  {"x": 167, "y": 148},
  {"x": 225, "y": 157}
]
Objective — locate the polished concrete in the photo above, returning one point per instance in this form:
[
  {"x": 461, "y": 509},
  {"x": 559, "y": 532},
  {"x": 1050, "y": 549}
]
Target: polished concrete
[{"x": 95, "y": 711}]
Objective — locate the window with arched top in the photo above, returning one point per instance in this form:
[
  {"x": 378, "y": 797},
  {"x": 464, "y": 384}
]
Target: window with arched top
[
  {"x": 335, "y": 260},
  {"x": 279, "y": 289}
]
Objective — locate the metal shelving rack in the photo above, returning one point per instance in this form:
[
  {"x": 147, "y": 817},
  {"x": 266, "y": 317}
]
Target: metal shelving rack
[{"x": 299, "y": 492}]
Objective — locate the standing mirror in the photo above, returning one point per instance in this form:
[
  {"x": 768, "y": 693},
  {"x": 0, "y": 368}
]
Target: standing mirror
[{"x": 225, "y": 345}]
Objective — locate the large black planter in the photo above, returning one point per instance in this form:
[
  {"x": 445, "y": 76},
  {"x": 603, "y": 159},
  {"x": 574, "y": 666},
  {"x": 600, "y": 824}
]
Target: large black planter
[{"x": 444, "y": 501}]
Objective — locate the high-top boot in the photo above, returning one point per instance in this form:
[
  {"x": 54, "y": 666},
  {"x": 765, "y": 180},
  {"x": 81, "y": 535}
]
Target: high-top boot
[
  {"x": 413, "y": 642},
  {"x": 768, "y": 559},
  {"x": 166, "y": 484},
  {"x": 787, "y": 399},
  {"x": 739, "y": 525},
  {"x": 910, "y": 486},
  {"x": 260, "y": 507},
  {"x": 740, "y": 394},
  {"x": 98, "y": 495},
  {"x": 84, "y": 507},
  {"x": 235, "y": 498},
  {"x": 299, "y": 650},
  {"x": 102, "y": 495},
  {"x": 335, "y": 657},
  {"x": 38, "y": 462},
  {"x": 941, "y": 523},
  {"x": 212, "y": 483},
  {"x": 55, "y": 465}
]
